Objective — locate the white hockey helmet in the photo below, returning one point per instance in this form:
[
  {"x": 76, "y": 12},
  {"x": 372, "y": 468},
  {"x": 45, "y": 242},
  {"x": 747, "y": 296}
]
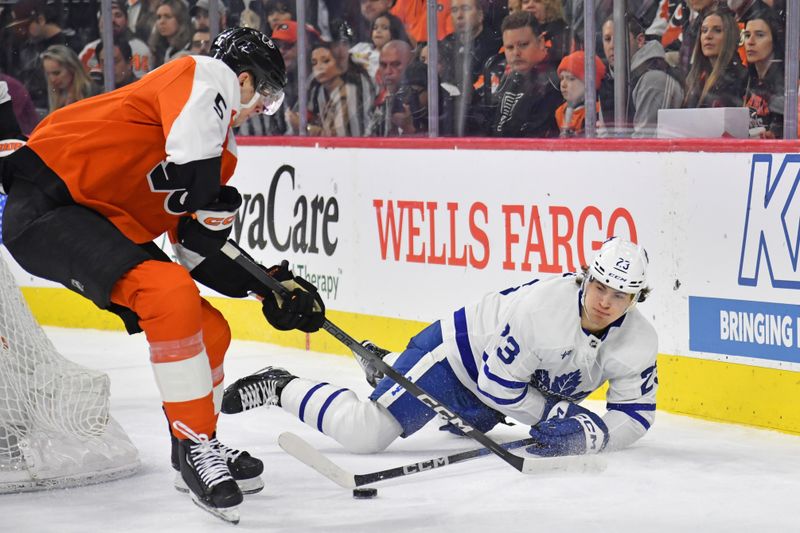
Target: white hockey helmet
[{"x": 621, "y": 265}]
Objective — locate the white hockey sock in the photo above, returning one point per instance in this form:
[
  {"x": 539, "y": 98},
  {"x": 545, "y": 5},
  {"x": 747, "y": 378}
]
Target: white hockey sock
[{"x": 361, "y": 426}]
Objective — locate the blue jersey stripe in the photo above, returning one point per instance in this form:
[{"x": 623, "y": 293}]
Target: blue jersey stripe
[
  {"x": 462, "y": 341},
  {"x": 500, "y": 381},
  {"x": 503, "y": 401},
  {"x": 325, "y": 407},
  {"x": 311, "y": 391},
  {"x": 632, "y": 410}
]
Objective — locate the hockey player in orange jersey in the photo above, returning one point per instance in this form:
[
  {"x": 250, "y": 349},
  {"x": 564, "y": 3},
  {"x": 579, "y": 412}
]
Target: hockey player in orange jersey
[{"x": 101, "y": 179}]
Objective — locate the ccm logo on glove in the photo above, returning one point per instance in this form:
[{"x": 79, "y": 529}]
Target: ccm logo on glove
[
  {"x": 215, "y": 222},
  {"x": 568, "y": 429},
  {"x": 207, "y": 229}
]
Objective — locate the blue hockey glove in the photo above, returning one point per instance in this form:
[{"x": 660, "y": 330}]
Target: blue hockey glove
[{"x": 568, "y": 429}]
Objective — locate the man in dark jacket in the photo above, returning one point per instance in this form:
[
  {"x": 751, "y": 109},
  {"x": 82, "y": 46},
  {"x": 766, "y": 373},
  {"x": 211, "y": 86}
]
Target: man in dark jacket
[{"x": 525, "y": 102}]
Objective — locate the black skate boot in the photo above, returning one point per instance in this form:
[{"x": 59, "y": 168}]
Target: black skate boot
[
  {"x": 262, "y": 388},
  {"x": 205, "y": 472},
  {"x": 244, "y": 468},
  {"x": 371, "y": 371}
]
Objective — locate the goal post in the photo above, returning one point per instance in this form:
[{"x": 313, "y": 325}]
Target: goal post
[{"x": 55, "y": 426}]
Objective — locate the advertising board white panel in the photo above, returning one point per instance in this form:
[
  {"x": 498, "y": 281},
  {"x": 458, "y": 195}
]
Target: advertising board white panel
[{"x": 414, "y": 234}]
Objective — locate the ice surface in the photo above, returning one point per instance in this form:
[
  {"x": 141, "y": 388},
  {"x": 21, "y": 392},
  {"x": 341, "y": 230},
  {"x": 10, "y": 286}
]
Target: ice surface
[{"x": 684, "y": 475}]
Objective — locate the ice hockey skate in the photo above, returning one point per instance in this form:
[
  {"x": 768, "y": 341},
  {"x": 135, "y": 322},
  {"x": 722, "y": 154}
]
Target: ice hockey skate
[
  {"x": 261, "y": 388},
  {"x": 206, "y": 474},
  {"x": 371, "y": 372},
  {"x": 244, "y": 468}
]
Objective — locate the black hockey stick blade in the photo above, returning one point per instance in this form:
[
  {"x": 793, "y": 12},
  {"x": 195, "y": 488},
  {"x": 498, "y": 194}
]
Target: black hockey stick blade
[{"x": 526, "y": 465}]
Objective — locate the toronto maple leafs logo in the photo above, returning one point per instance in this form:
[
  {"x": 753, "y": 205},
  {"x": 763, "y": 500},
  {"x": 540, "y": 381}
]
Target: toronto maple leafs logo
[{"x": 563, "y": 386}]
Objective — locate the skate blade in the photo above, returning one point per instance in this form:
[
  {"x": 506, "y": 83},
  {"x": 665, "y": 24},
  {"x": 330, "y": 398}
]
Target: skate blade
[
  {"x": 228, "y": 514},
  {"x": 250, "y": 486},
  {"x": 247, "y": 486}
]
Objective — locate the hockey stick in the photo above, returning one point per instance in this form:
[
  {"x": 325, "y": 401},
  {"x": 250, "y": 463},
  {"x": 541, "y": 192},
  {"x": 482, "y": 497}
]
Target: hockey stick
[
  {"x": 307, "y": 454},
  {"x": 526, "y": 465}
]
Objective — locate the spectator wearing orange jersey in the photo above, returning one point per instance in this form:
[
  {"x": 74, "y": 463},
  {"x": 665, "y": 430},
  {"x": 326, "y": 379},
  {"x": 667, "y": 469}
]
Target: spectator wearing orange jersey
[
  {"x": 414, "y": 15},
  {"x": 571, "y": 115}
]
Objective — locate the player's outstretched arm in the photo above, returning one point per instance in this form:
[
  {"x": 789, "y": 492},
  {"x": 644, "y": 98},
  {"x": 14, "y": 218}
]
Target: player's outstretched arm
[{"x": 199, "y": 240}]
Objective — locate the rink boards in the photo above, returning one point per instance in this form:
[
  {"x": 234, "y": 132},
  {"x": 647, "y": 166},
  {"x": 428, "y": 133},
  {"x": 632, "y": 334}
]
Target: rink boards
[{"x": 397, "y": 234}]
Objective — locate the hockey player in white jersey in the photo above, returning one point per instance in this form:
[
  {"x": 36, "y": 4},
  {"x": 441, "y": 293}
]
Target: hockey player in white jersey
[{"x": 531, "y": 353}]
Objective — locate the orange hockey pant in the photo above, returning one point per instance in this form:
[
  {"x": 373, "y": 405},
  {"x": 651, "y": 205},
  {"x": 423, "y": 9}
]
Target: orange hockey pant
[{"x": 188, "y": 339}]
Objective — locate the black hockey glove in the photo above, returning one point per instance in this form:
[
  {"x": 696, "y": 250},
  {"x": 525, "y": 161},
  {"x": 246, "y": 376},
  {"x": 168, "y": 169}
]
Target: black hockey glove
[
  {"x": 206, "y": 230},
  {"x": 303, "y": 310}
]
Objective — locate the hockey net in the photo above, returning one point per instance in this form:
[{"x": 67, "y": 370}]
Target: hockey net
[{"x": 55, "y": 427}]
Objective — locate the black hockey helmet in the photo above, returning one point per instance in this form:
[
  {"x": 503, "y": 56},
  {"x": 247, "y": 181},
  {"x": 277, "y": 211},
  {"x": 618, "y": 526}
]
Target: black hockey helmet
[{"x": 246, "y": 49}]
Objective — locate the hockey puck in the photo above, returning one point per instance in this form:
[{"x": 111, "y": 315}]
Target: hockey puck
[{"x": 365, "y": 493}]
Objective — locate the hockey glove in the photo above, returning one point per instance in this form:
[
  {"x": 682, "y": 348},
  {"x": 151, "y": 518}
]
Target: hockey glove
[
  {"x": 303, "y": 310},
  {"x": 207, "y": 229},
  {"x": 568, "y": 429}
]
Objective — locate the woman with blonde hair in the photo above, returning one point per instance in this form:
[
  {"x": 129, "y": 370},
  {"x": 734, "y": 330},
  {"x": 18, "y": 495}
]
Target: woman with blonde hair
[
  {"x": 67, "y": 82},
  {"x": 172, "y": 31},
  {"x": 717, "y": 77}
]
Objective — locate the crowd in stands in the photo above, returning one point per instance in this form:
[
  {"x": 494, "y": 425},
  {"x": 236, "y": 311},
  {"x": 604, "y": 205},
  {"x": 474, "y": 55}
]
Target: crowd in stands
[{"x": 506, "y": 68}]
